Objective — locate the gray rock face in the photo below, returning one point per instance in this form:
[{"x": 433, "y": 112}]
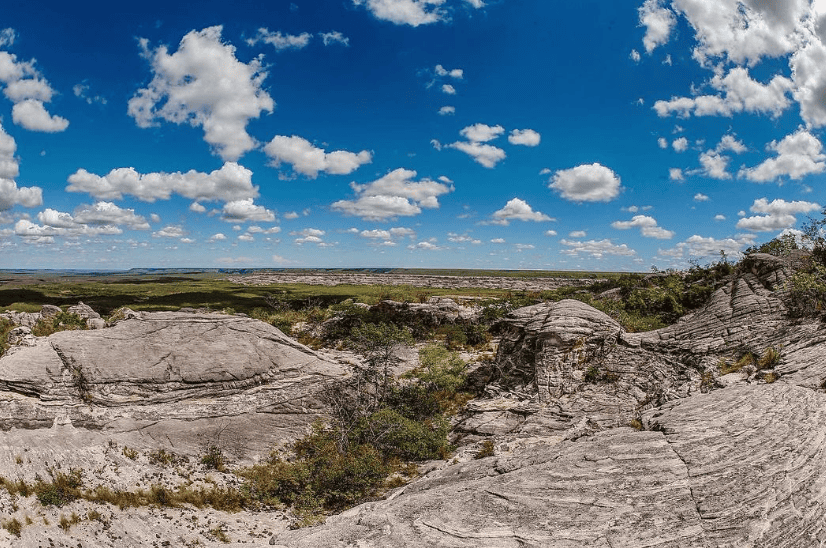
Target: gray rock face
[
  {"x": 436, "y": 311},
  {"x": 168, "y": 374}
]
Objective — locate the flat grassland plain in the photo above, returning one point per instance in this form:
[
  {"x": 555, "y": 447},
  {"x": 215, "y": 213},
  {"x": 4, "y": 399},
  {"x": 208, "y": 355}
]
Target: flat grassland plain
[{"x": 245, "y": 291}]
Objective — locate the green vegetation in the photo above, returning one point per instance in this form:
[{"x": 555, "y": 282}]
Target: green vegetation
[
  {"x": 5, "y": 327},
  {"x": 13, "y": 526},
  {"x": 61, "y": 321},
  {"x": 378, "y": 425}
]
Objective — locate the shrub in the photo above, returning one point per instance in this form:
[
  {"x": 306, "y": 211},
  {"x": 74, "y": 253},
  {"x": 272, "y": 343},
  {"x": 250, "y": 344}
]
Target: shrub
[
  {"x": 769, "y": 358},
  {"x": 486, "y": 450},
  {"x": 213, "y": 457},
  {"x": 13, "y": 526},
  {"x": 63, "y": 488},
  {"x": 62, "y": 321}
]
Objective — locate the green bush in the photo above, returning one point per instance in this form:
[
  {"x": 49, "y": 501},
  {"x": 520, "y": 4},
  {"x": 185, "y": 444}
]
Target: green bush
[
  {"x": 63, "y": 489},
  {"x": 62, "y": 321}
]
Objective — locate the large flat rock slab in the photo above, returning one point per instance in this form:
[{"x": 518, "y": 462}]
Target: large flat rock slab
[
  {"x": 756, "y": 461},
  {"x": 619, "y": 488},
  {"x": 169, "y": 379}
]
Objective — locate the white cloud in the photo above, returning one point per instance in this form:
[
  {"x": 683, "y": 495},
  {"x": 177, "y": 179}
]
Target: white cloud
[
  {"x": 647, "y": 225},
  {"x": 680, "y": 144},
  {"x": 309, "y": 236},
  {"x": 526, "y": 137},
  {"x": 577, "y": 234},
  {"x": 676, "y": 174},
  {"x": 28, "y": 90},
  {"x": 550, "y": 233},
  {"x": 635, "y": 56},
  {"x": 246, "y": 237},
  {"x": 393, "y": 195},
  {"x": 587, "y": 183},
  {"x": 107, "y": 213},
  {"x": 798, "y": 155},
  {"x": 699, "y": 246},
  {"x": 32, "y": 115},
  {"x": 375, "y": 234},
  {"x": 217, "y": 237},
  {"x": 406, "y": 12},
  {"x": 719, "y": 217},
  {"x": 486, "y": 155},
  {"x": 700, "y": 197},
  {"x": 291, "y": 215},
  {"x": 462, "y": 239},
  {"x": 476, "y": 3},
  {"x": 662, "y": 142},
  {"x": 458, "y": 74},
  {"x": 739, "y": 93},
  {"x": 743, "y": 32},
  {"x": 231, "y": 182},
  {"x": 518, "y": 210},
  {"x": 714, "y": 165},
  {"x": 481, "y": 133},
  {"x": 808, "y": 66},
  {"x": 595, "y": 248},
  {"x": 447, "y": 110},
  {"x": 170, "y": 231},
  {"x": 498, "y": 241},
  {"x": 10, "y": 193},
  {"x": 658, "y": 22},
  {"x": 776, "y": 215},
  {"x": 427, "y": 246},
  {"x": 448, "y": 89},
  {"x": 196, "y": 207},
  {"x": 730, "y": 142},
  {"x": 7, "y": 37},
  {"x": 240, "y": 211},
  {"x": 282, "y": 41},
  {"x": 334, "y": 37},
  {"x": 521, "y": 247},
  {"x": 203, "y": 84},
  {"x": 310, "y": 160}
]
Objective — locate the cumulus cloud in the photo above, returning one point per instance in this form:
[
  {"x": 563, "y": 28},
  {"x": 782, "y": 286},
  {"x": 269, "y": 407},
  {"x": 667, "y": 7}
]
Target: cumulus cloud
[
  {"x": 427, "y": 246},
  {"x": 577, "y": 234},
  {"x": 239, "y": 211},
  {"x": 462, "y": 239},
  {"x": 197, "y": 208},
  {"x": 205, "y": 85},
  {"x": 680, "y": 144},
  {"x": 481, "y": 133},
  {"x": 700, "y": 197},
  {"x": 28, "y": 90},
  {"x": 393, "y": 195},
  {"x": 334, "y": 37},
  {"x": 647, "y": 225},
  {"x": 231, "y": 182},
  {"x": 797, "y": 155},
  {"x": 454, "y": 73},
  {"x": 107, "y": 213},
  {"x": 310, "y": 160},
  {"x": 486, "y": 155},
  {"x": 676, "y": 174},
  {"x": 308, "y": 236},
  {"x": 586, "y": 183},
  {"x": 170, "y": 231},
  {"x": 525, "y": 137},
  {"x": 595, "y": 248},
  {"x": 635, "y": 56},
  {"x": 447, "y": 111},
  {"x": 714, "y": 163},
  {"x": 10, "y": 193},
  {"x": 406, "y": 12},
  {"x": 550, "y": 233},
  {"x": 101, "y": 218},
  {"x": 658, "y": 22},
  {"x": 662, "y": 142},
  {"x": 775, "y": 215},
  {"x": 219, "y": 237},
  {"x": 739, "y": 93},
  {"x": 281, "y": 41},
  {"x": 517, "y": 210}
]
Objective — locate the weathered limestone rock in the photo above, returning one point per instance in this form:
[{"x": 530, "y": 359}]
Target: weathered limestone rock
[
  {"x": 168, "y": 375},
  {"x": 436, "y": 311},
  {"x": 24, "y": 319},
  {"x": 49, "y": 310},
  {"x": 21, "y": 336},
  {"x": 83, "y": 310}
]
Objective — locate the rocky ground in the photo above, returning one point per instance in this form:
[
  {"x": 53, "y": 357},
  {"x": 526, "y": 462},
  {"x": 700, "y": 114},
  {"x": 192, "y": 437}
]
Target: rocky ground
[
  {"x": 416, "y": 280},
  {"x": 601, "y": 437}
]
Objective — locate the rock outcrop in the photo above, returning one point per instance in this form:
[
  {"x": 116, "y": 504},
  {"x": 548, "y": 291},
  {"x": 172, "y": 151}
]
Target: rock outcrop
[{"x": 169, "y": 376}]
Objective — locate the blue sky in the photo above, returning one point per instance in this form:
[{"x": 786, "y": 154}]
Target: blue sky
[{"x": 593, "y": 135}]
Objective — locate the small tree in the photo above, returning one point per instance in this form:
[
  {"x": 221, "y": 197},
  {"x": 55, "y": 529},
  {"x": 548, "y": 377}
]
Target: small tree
[{"x": 379, "y": 344}]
